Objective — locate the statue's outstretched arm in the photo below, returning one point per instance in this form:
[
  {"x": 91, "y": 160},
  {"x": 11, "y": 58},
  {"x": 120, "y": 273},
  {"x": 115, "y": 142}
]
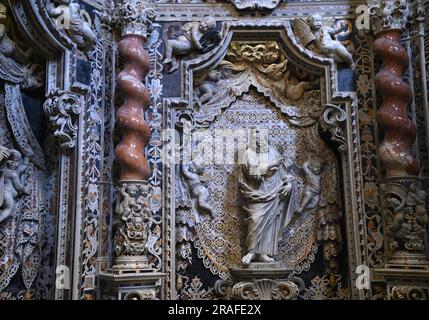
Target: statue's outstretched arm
[
  {"x": 306, "y": 168},
  {"x": 334, "y": 31},
  {"x": 54, "y": 11},
  {"x": 186, "y": 171},
  {"x": 195, "y": 33}
]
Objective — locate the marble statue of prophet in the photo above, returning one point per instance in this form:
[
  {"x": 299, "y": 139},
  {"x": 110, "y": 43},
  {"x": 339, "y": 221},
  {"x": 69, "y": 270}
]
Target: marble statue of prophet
[{"x": 265, "y": 188}]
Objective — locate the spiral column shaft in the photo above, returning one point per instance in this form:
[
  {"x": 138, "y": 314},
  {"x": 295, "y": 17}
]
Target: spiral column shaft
[
  {"x": 402, "y": 197},
  {"x": 135, "y": 131},
  {"x": 399, "y": 130}
]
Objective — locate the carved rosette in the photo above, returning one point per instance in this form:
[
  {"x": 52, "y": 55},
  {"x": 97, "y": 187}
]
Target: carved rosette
[
  {"x": 133, "y": 214},
  {"x": 389, "y": 15},
  {"x": 388, "y": 19},
  {"x": 63, "y": 109},
  {"x": 134, "y": 21}
]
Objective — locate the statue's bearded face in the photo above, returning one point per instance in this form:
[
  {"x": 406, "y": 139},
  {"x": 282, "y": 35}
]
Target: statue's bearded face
[{"x": 259, "y": 141}]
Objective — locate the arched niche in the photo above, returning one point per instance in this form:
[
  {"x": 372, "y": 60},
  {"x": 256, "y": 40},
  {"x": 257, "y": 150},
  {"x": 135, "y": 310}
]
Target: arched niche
[{"x": 335, "y": 115}]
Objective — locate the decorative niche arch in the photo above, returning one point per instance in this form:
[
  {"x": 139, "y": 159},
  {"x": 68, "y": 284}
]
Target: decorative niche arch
[{"x": 337, "y": 116}]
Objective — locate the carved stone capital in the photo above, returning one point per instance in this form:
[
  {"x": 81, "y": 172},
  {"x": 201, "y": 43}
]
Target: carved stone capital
[
  {"x": 133, "y": 214},
  {"x": 418, "y": 11},
  {"x": 63, "y": 109},
  {"x": 406, "y": 221},
  {"x": 134, "y": 17},
  {"x": 389, "y": 14}
]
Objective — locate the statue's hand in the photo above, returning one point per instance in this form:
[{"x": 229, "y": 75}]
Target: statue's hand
[
  {"x": 50, "y": 8},
  {"x": 27, "y": 190},
  {"x": 4, "y": 153},
  {"x": 286, "y": 190}
]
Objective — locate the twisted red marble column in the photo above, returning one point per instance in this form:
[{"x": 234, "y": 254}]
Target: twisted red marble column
[
  {"x": 399, "y": 130},
  {"x": 135, "y": 131}
]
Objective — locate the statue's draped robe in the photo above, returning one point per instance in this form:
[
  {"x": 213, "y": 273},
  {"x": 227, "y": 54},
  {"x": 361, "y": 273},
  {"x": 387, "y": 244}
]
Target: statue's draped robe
[{"x": 266, "y": 210}]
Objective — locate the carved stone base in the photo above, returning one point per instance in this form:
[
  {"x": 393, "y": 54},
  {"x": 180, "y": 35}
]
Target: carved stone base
[
  {"x": 259, "y": 270},
  {"x": 406, "y": 222},
  {"x": 258, "y": 281},
  {"x": 137, "y": 286},
  {"x": 407, "y": 283},
  {"x": 131, "y": 264},
  {"x": 132, "y": 227},
  {"x": 406, "y": 259}
]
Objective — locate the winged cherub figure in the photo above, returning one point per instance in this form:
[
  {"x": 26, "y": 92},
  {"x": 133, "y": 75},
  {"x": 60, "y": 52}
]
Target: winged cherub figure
[{"x": 318, "y": 35}]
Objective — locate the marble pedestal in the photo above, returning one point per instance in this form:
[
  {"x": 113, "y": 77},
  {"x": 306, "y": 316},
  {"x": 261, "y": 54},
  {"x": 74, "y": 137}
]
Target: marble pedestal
[
  {"x": 258, "y": 281},
  {"x": 132, "y": 286},
  {"x": 404, "y": 282}
]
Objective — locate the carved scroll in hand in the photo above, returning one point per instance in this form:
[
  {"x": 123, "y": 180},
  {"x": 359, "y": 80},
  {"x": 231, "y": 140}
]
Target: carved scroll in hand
[{"x": 319, "y": 35}]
